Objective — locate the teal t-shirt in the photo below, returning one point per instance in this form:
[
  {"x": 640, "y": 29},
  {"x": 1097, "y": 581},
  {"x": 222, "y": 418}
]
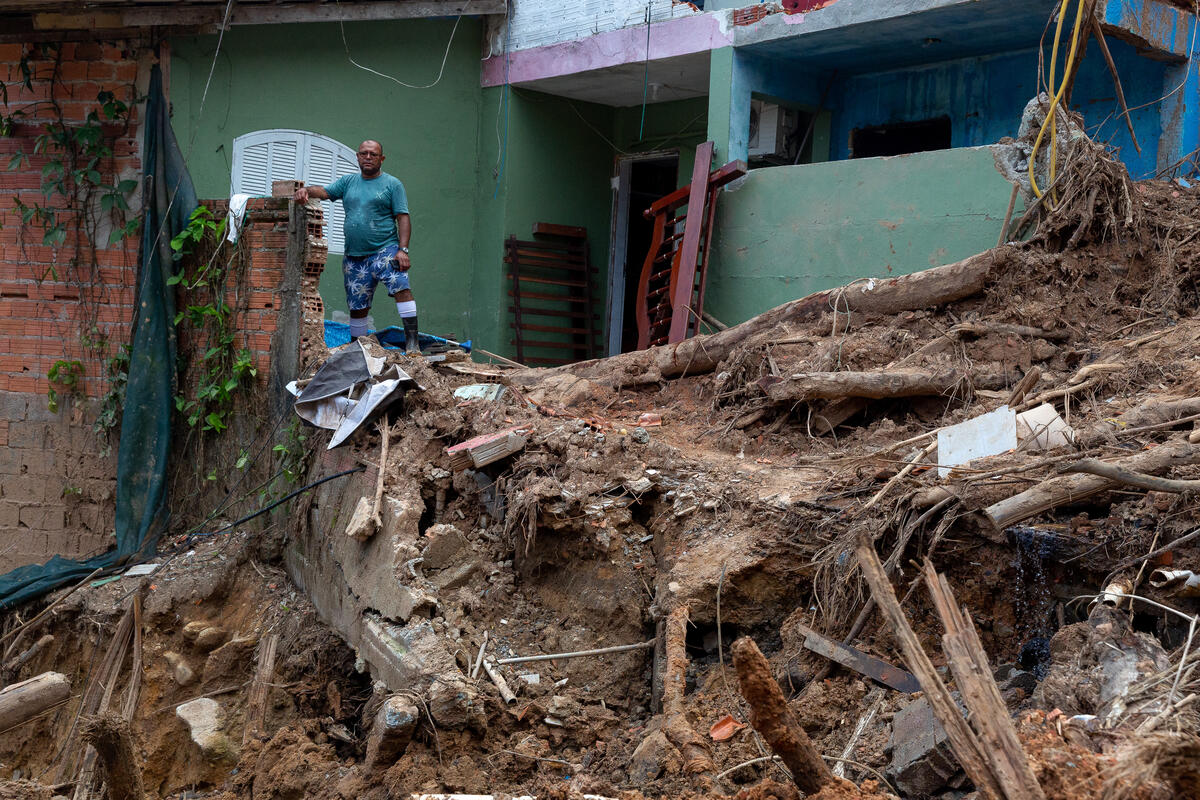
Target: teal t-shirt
[{"x": 371, "y": 209}]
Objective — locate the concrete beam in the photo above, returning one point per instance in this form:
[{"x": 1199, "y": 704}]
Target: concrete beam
[
  {"x": 262, "y": 14},
  {"x": 668, "y": 39},
  {"x": 1156, "y": 29}
]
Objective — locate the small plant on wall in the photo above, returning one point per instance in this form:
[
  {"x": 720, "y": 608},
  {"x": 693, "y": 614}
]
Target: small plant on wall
[{"x": 206, "y": 321}]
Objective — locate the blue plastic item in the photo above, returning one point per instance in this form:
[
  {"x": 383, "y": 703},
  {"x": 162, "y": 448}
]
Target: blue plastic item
[{"x": 391, "y": 337}]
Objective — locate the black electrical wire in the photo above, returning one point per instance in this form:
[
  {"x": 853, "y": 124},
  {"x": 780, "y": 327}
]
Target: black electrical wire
[{"x": 278, "y": 502}]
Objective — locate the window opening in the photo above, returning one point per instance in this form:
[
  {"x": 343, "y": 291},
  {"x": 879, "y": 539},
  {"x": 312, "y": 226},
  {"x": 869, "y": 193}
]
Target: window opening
[
  {"x": 900, "y": 138},
  {"x": 284, "y": 154}
]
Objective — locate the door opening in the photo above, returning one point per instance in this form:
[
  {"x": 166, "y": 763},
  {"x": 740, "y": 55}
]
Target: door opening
[{"x": 640, "y": 181}]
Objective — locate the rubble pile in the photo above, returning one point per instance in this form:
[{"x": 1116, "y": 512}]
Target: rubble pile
[{"x": 784, "y": 558}]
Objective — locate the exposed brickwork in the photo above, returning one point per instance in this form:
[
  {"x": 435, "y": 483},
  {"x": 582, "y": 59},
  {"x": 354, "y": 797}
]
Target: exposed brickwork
[
  {"x": 49, "y": 296},
  {"x": 56, "y": 489}
]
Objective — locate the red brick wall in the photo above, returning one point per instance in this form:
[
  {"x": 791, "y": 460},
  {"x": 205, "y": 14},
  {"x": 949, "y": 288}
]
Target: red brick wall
[
  {"x": 45, "y": 301},
  {"x": 56, "y": 483}
]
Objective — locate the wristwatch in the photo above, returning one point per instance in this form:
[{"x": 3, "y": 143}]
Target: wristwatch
[{"x": 404, "y": 250}]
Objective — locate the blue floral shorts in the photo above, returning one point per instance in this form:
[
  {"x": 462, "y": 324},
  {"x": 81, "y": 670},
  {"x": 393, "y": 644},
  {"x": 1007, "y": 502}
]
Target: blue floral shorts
[{"x": 362, "y": 274}]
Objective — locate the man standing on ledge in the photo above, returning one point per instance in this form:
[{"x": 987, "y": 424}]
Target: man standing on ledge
[{"x": 377, "y": 231}]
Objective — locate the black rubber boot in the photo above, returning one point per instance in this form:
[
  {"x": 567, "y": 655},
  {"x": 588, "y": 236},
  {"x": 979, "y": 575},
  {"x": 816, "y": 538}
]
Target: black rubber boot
[{"x": 412, "y": 344}]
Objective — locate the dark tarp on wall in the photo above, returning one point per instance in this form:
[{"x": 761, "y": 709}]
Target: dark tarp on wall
[{"x": 169, "y": 199}]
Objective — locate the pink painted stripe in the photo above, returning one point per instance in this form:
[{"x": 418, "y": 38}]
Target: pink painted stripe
[{"x": 675, "y": 37}]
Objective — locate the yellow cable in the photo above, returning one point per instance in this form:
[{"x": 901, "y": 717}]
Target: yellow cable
[{"x": 1049, "y": 121}]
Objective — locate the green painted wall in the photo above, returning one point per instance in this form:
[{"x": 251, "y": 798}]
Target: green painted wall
[
  {"x": 678, "y": 125},
  {"x": 557, "y": 164},
  {"x": 784, "y": 232},
  {"x": 298, "y": 76},
  {"x": 551, "y": 166}
]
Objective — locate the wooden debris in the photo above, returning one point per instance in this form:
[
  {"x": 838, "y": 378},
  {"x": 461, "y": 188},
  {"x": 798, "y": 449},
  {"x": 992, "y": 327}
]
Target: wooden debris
[
  {"x": 112, "y": 740},
  {"x": 770, "y": 716},
  {"x": 79, "y": 762},
  {"x": 256, "y": 698},
  {"x": 987, "y": 711},
  {"x": 498, "y": 679},
  {"x": 700, "y": 354},
  {"x": 1117, "y": 474},
  {"x": 23, "y": 701},
  {"x": 992, "y": 772},
  {"x": 366, "y": 520},
  {"x": 1024, "y": 386},
  {"x": 875, "y": 698},
  {"x": 860, "y": 662},
  {"x": 491, "y": 447},
  {"x": 963, "y": 742},
  {"x": 1072, "y": 488},
  {"x": 16, "y": 662},
  {"x": 873, "y": 385}
]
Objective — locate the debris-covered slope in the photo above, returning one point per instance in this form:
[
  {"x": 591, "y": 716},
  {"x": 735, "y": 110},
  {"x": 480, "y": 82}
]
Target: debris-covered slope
[{"x": 635, "y": 516}]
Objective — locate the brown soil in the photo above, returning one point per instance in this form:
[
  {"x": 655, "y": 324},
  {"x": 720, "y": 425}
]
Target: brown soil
[{"x": 734, "y": 508}]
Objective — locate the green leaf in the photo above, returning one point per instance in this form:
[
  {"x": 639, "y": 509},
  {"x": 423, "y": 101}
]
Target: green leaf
[
  {"x": 214, "y": 422},
  {"x": 106, "y": 202},
  {"x": 174, "y": 279},
  {"x": 94, "y": 177},
  {"x": 127, "y": 186},
  {"x": 17, "y": 161}
]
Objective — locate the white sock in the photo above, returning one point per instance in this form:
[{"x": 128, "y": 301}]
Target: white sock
[
  {"x": 408, "y": 308},
  {"x": 358, "y": 327}
]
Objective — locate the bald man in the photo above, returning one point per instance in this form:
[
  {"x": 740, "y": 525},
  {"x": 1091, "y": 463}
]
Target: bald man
[{"x": 377, "y": 232}]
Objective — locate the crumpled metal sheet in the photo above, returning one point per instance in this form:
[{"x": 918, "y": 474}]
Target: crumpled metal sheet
[{"x": 347, "y": 390}]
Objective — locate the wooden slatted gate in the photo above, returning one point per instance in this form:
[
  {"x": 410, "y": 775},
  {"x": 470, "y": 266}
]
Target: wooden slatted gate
[
  {"x": 554, "y": 271},
  {"x": 671, "y": 286}
]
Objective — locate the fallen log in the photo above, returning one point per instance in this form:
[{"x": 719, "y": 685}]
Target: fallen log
[
  {"x": 109, "y": 734},
  {"x": 1152, "y": 413},
  {"x": 1116, "y": 474},
  {"x": 879, "y": 385},
  {"x": 770, "y": 716},
  {"x": 700, "y": 354},
  {"x": 25, "y": 700},
  {"x": 1072, "y": 488}
]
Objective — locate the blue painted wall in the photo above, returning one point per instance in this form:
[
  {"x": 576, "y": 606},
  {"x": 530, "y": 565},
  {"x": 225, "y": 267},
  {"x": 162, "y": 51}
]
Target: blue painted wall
[{"x": 984, "y": 98}]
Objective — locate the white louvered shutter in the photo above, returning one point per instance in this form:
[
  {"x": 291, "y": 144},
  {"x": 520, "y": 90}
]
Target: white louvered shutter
[{"x": 276, "y": 155}]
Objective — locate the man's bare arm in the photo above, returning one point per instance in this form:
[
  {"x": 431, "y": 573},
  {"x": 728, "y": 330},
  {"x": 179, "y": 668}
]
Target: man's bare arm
[
  {"x": 304, "y": 192},
  {"x": 404, "y": 233}
]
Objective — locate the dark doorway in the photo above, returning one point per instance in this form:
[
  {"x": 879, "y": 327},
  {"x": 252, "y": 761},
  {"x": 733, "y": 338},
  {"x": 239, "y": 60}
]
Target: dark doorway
[
  {"x": 649, "y": 179},
  {"x": 900, "y": 138}
]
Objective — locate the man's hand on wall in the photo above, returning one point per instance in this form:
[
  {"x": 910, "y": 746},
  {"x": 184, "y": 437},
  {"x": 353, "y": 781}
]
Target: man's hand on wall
[{"x": 301, "y": 195}]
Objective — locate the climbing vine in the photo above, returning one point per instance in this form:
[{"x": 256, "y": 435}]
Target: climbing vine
[
  {"x": 222, "y": 367},
  {"x": 81, "y": 195},
  {"x": 79, "y": 183}
]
